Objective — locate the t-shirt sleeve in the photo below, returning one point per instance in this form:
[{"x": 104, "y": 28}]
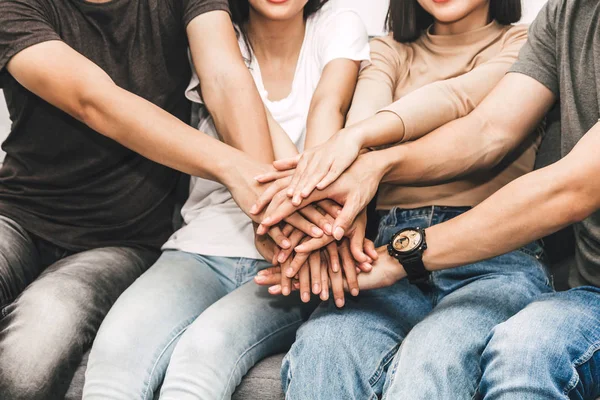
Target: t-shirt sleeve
[
  {"x": 538, "y": 57},
  {"x": 456, "y": 97},
  {"x": 23, "y": 23},
  {"x": 194, "y": 8},
  {"x": 342, "y": 34}
]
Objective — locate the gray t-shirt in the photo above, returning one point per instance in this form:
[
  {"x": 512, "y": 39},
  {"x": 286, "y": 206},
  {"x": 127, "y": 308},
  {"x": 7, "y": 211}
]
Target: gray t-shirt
[{"x": 563, "y": 53}]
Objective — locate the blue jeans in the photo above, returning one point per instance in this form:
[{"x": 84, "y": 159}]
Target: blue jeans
[
  {"x": 195, "y": 325},
  {"x": 354, "y": 353},
  {"x": 52, "y": 302},
  {"x": 547, "y": 351}
]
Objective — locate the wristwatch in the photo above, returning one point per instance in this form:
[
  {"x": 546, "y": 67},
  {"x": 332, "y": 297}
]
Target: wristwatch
[{"x": 407, "y": 246}]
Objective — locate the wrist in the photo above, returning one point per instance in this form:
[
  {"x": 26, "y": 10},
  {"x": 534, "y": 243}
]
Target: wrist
[
  {"x": 389, "y": 160},
  {"x": 356, "y": 136}
]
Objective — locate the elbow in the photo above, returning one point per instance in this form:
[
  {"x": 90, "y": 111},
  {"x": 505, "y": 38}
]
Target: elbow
[
  {"x": 92, "y": 99},
  {"x": 580, "y": 202}
]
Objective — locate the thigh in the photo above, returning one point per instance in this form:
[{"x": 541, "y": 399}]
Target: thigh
[
  {"x": 352, "y": 347},
  {"x": 227, "y": 339},
  {"x": 548, "y": 350},
  {"x": 19, "y": 261},
  {"x": 132, "y": 350},
  {"x": 440, "y": 357},
  {"x": 52, "y": 323}
]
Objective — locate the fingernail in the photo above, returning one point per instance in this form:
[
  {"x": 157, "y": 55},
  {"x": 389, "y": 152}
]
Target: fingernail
[
  {"x": 266, "y": 221},
  {"x": 369, "y": 260},
  {"x": 290, "y": 192},
  {"x": 305, "y": 297},
  {"x": 335, "y": 267},
  {"x": 367, "y": 266},
  {"x": 275, "y": 288},
  {"x": 324, "y": 295},
  {"x": 261, "y": 230},
  {"x": 290, "y": 272},
  {"x": 281, "y": 257},
  {"x": 339, "y": 303},
  {"x": 262, "y": 272},
  {"x": 285, "y": 291},
  {"x": 297, "y": 285},
  {"x": 338, "y": 212},
  {"x": 257, "y": 177},
  {"x": 354, "y": 292},
  {"x": 328, "y": 229},
  {"x": 254, "y": 209},
  {"x": 316, "y": 288},
  {"x": 260, "y": 279},
  {"x": 286, "y": 243},
  {"x": 296, "y": 200},
  {"x": 339, "y": 233},
  {"x": 317, "y": 231}
]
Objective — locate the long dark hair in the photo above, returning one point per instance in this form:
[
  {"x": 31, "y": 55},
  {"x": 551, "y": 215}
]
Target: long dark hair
[
  {"x": 408, "y": 20},
  {"x": 240, "y": 13}
]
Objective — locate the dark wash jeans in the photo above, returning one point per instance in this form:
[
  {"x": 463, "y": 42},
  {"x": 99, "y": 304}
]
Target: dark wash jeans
[{"x": 52, "y": 302}]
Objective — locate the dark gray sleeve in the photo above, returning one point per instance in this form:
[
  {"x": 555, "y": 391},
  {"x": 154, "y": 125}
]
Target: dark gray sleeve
[
  {"x": 23, "y": 23},
  {"x": 537, "y": 58},
  {"x": 193, "y": 8}
]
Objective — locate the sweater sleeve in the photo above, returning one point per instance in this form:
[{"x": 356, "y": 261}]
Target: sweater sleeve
[
  {"x": 376, "y": 83},
  {"x": 438, "y": 103}
]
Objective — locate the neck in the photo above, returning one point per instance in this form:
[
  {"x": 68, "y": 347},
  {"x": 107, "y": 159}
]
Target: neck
[
  {"x": 276, "y": 39},
  {"x": 478, "y": 18}
]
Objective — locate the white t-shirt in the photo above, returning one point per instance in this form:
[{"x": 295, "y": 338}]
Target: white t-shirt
[{"x": 213, "y": 223}]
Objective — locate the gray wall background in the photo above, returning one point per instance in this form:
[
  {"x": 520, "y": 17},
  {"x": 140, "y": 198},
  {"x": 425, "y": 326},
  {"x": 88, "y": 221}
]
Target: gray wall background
[{"x": 373, "y": 12}]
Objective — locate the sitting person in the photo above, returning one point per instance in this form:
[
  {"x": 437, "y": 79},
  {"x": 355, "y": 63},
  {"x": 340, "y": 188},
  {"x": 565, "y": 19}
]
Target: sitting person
[
  {"x": 421, "y": 337},
  {"x": 194, "y": 323}
]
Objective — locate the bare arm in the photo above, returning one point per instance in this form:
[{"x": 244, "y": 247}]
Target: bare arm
[
  {"x": 528, "y": 208},
  {"x": 478, "y": 141},
  {"x": 227, "y": 87}
]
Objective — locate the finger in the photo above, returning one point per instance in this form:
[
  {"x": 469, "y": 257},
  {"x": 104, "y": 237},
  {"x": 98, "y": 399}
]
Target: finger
[
  {"x": 295, "y": 265},
  {"x": 370, "y": 249},
  {"x": 287, "y": 163},
  {"x": 328, "y": 179},
  {"x": 349, "y": 270},
  {"x": 275, "y": 290},
  {"x": 305, "y": 283},
  {"x": 269, "y": 271},
  {"x": 268, "y": 280},
  {"x": 330, "y": 207},
  {"x": 286, "y": 282},
  {"x": 334, "y": 258},
  {"x": 299, "y": 222},
  {"x": 279, "y": 238},
  {"x": 324, "y": 278},
  {"x": 310, "y": 181},
  {"x": 287, "y": 230},
  {"x": 324, "y": 222},
  {"x": 357, "y": 242},
  {"x": 295, "y": 238},
  {"x": 268, "y": 195},
  {"x": 273, "y": 176},
  {"x": 300, "y": 168},
  {"x": 314, "y": 244},
  {"x": 281, "y": 207},
  {"x": 344, "y": 221},
  {"x": 314, "y": 261},
  {"x": 337, "y": 286}
]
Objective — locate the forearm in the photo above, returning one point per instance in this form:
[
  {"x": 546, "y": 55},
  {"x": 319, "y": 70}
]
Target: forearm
[
  {"x": 154, "y": 133},
  {"x": 238, "y": 112},
  {"x": 283, "y": 146},
  {"x": 381, "y": 129},
  {"x": 324, "y": 120},
  {"x": 529, "y": 208},
  {"x": 447, "y": 153}
]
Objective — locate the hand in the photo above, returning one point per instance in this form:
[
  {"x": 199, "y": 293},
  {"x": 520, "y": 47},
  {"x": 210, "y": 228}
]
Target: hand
[
  {"x": 317, "y": 167},
  {"x": 354, "y": 190},
  {"x": 386, "y": 271}
]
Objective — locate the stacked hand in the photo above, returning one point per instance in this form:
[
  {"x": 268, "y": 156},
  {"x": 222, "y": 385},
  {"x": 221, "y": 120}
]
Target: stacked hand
[{"x": 329, "y": 187}]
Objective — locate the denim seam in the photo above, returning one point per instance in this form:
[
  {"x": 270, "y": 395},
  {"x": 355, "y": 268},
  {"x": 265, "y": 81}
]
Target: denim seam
[
  {"x": 382, "y": 364},
  {"x": 579, "y": 362},
  {"x": 185, "y": 325},
  {"x": 253, "y": 346}
]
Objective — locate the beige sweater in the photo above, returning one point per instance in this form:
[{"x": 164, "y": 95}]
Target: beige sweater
[{"x": 431, "y": 82}]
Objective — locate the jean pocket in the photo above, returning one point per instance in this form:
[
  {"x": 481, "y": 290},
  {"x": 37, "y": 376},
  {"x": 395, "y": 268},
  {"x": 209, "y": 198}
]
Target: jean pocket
[{"x": 535, "y": 249}]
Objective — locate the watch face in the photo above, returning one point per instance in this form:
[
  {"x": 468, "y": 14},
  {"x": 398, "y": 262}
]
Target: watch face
[{"x": 407, "y": 241}]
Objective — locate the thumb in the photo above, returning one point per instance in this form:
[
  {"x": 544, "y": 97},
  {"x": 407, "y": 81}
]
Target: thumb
[{"x": 344, "y": 221}]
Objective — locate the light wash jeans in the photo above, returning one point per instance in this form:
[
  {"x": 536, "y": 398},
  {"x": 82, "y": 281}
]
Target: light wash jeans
[
  {"x": 196, "y": 322},
  {"x": 547, "y": 351},
  {"x": 353, "y": 353}
]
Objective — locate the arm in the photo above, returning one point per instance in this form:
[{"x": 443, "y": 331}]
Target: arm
[
  {"x": 331, "y": 101},
  {"x": 227, "y": 87},
  {"x": 528, "y": 208},
  {"x": 478, "y": 141},
  {"x": 433, "y": 105}
]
